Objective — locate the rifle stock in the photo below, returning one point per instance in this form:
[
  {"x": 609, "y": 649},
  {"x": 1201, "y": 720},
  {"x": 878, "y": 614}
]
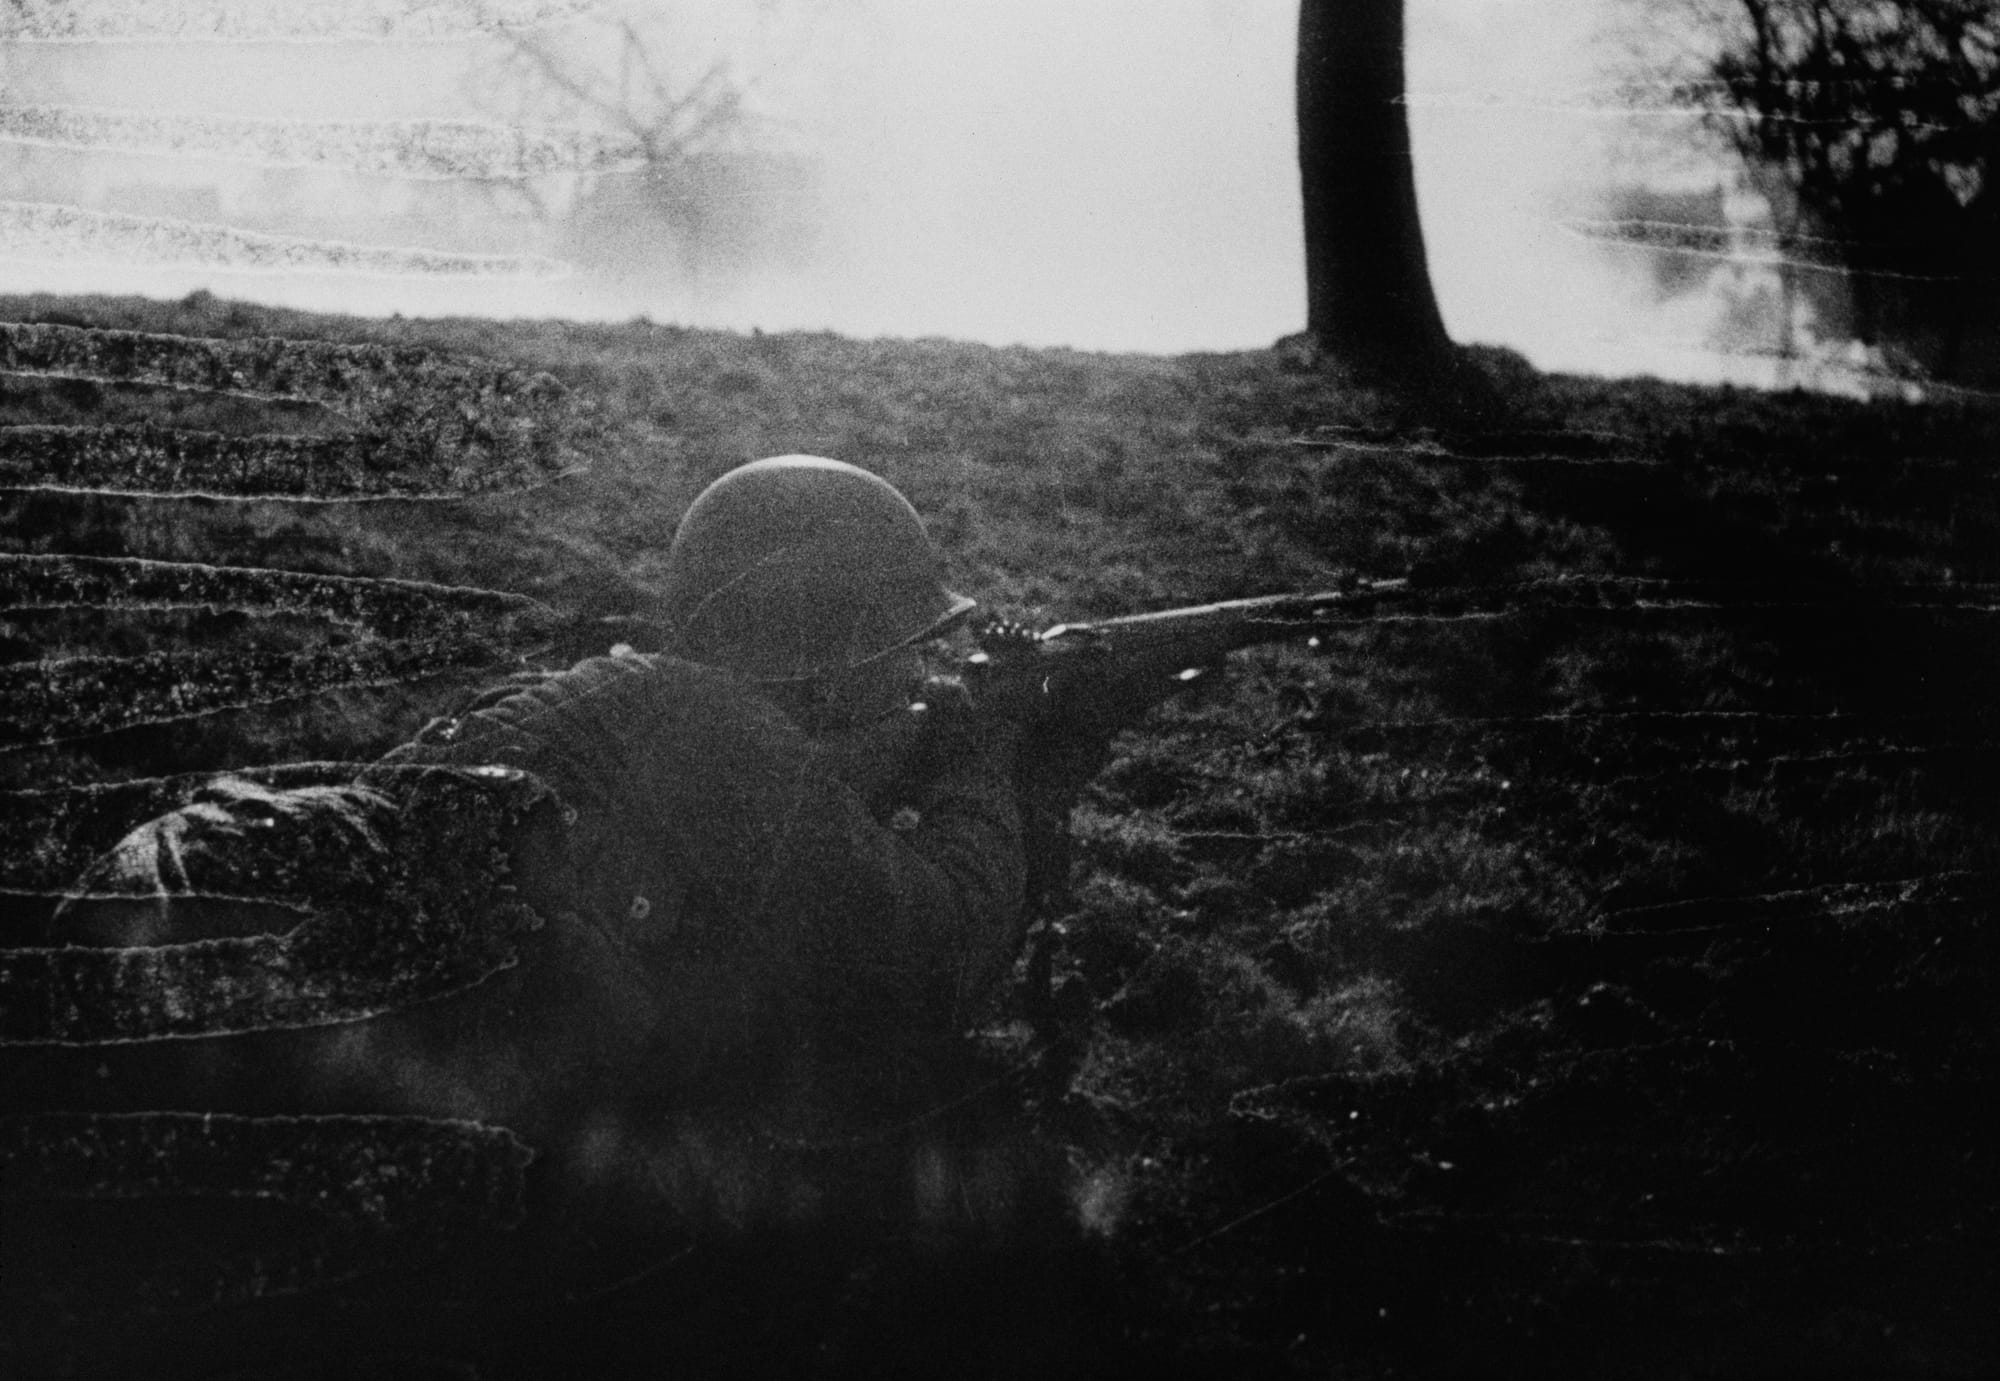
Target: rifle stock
[{"x": 1108, "y": 671}]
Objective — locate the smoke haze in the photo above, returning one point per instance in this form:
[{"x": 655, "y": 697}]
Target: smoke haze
[{"x": 1117, "y": 175}]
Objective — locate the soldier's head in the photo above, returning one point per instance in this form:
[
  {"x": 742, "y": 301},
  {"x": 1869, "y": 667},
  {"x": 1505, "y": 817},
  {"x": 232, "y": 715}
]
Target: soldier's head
[{"x": 814, "y": 579}]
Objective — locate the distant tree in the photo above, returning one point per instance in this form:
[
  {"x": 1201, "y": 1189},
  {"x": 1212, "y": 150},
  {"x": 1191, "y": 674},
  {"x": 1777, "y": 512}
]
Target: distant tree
[
  {"x": 1369, "y": 301},
  {"x": 612, "y": 74},
  {"x": 1874, "y": 128},
  {"x": 695, "y": 190}
]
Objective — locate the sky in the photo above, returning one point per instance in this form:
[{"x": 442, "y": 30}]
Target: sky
[{"x": 1100, "y": 174}]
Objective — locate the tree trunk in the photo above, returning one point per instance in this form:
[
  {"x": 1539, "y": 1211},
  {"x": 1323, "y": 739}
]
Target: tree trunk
[{"x": 1369, "y": 301}]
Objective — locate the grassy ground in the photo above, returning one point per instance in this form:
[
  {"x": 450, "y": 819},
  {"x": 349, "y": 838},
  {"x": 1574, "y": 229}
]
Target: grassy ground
[{"x": 1529, "y": 984}]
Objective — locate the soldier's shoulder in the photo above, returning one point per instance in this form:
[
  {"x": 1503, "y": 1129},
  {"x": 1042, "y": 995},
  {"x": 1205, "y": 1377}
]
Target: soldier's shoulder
[{"x": 592, "y": 676}]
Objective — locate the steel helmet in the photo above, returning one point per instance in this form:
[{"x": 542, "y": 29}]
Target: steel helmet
[{"x": 797, "y": 566}]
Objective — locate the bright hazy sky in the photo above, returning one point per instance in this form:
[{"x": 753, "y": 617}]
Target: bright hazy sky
[{"x": 1105, "y": 174}]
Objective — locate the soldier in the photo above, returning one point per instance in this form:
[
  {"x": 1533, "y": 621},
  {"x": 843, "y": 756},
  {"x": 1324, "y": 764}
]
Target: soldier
[{"x": 777, "y": 870}]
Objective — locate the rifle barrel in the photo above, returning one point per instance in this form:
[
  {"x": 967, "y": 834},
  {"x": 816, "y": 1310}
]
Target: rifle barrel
[
  {"x": 1137, "y": 659},
  {"x": 1260, "y": 618}
]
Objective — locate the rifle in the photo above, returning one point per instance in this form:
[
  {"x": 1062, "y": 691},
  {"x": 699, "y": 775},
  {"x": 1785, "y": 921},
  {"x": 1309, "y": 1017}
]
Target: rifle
[{"x": 1097, "y": 676}]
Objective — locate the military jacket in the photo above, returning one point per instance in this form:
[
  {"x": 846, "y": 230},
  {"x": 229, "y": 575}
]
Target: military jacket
[
  {"x": 750, "y": 946},
  {"x": 736, "y": 919},
  {"x": 752, "y": 891}
]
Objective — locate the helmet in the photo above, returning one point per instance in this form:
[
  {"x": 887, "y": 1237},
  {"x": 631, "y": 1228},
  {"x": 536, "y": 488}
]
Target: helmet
[{"x": 797, "y": 566}]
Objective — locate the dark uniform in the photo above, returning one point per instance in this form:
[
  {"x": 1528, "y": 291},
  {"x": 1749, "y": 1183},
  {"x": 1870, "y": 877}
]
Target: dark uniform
[
  {"x": 743, "y": 916},
  {"x": 755, "y": 908},
  {"x": 769, "y": 894}
]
